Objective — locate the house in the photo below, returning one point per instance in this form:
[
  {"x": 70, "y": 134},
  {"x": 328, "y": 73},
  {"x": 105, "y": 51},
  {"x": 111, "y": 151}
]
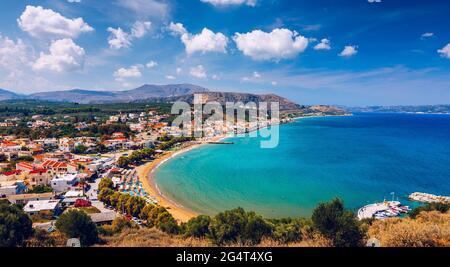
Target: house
[
  {"x": 103, "y": 218},
  {"x": 10, "y": 176},
  {"x": 35, "y": 207},
  {"x": 71, "y": 196},
  {"x": 24, "y": 166},
  {"x": 9, "y": 146},
  {"x": 39, "y": 177},
  {"x": 60, "y": 167},
  {"x": 23, "y": 199},
  {"x": 66, "y": 144},
  {"x": 8, "y": 188},
  {"x": 64, "y": 182}
]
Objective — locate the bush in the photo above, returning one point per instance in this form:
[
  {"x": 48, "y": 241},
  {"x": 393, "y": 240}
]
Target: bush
[
  {"x": 105, "y": 183},
  {"x": 197, "y": 227},
  {"x": 441, "y": 207},
  {"x": 77, "y": 224},
  {"x": 338, "y": 224},
  {"x": 15, "y": 225},
  {"x": 166, "y": 223},
  {"x": 120, "y": 223},
  {"x": 238, "y": 226}
]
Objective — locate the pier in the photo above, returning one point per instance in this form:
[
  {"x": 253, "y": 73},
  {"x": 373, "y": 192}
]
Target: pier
[
  {"x": 428, "y": 198},
  {"x": 221, "y": 143},
  {"x": 382, "y": 210}
]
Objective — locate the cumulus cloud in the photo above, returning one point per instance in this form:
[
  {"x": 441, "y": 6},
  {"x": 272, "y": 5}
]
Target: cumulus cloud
[
  {"x": 276, "y": 45},
  {"x": 13, "y": 55},
  {"x": 46, "y": 23},
  {"x": 323, "y": 45},
  {"x": 230, "y": 2},
  {"x": 124, "y": 73},
  {"x": 445, "y": 51},
  {"x": 140, "y": 28},
  {"x": 349, "y": 51},
  {"x": 198, "y": 72},
  {"x": 64, "y": 55},
  {"x": 206, "y": 41},
  {"x": 119, "y": 38},
  {"x": 151, "y": 64}
]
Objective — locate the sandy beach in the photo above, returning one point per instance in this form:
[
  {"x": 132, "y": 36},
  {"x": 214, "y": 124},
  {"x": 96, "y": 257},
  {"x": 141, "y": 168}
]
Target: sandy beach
[{"x": 146, "y": 176}]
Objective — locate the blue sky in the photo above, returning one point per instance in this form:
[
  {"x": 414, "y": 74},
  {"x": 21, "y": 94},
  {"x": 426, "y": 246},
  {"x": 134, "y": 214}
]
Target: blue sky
[{"x": 346, "y": 52}]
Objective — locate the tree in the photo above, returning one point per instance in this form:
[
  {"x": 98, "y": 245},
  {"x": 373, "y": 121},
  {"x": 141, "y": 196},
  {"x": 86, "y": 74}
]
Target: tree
[
  {"x": 15, "y": 225},
  {"x": 106, "y": 183},
  {"x": 80, "y": 149},
  {"x": 120, "y": 223},
  {"x": 166, "y": 223},
  {"x": 338, "y": 224},
  {"x": 238, "y": 226},
  {"x": 77, "y": 224},
  {"x": 441, "y": 207},
  {"x": 197, "y": 227}
]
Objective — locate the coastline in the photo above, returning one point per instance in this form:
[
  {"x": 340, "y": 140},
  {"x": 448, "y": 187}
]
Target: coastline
[{"x": 146, "y": 176}]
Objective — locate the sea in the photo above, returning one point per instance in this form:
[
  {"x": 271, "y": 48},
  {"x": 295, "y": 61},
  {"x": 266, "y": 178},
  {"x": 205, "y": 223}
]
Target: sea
[{"x": 361, "y": 159}]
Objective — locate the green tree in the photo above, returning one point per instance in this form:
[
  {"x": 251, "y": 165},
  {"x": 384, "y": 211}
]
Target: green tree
[
  {"x": 80, "y": 149},
  {"x": 106, "y": 183},
  {"x": 15, "y": 225},
  {"x": 238, "y": 226},
  {"x": 197, "y": 227},
  {"x": 120, "y": 223},
  {"x": 77, "y": 224},
  {"x": 441, "y": 207},
  {"x": 166, "y": 223},
  {"x": 338, "y": 224}
]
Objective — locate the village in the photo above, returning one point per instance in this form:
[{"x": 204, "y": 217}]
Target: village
[{"x": 48, "y": 176}]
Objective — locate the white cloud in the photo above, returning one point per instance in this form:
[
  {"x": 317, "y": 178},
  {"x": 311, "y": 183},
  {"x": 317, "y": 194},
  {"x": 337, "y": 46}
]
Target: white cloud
[
  {"x": 230, "y": 2},
  {"x": 140, "y": 28},
  {"x": 374, "y": 1},
  {"x": 198, "y": 72},
  {"x": 45, "y": 23},
  {"x": 349, "y": 51},
  {"x": 74, "y": 1},
  {"x": 151, "y": 64},
  {"x": 170, "y": 77},
  {"x": 179, "y": 70},
  {"x": 177, "y": 29},
  {"x": 64, "y": 55},
  {"x": 256, "y": 75},
  {"x": 119, "y": 38},
  {"x": 274, "y": 83},
  {"x": 323, "y": 45},
  {"x": 124, "y": 73},
  {"x": 206, "y": 41},
  {"x": 276, "y": 45},
  {"x": 427, "y": 34},
  {"x": 445, "y": 51},
  {"x": 13, "y": 56}
]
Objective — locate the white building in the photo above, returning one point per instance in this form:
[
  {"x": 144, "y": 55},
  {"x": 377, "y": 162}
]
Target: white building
[
  {"x": 64, "y": 182},
  {"x": 34, "y": 207}
]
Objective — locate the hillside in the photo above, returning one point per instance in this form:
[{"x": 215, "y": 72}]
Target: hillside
[
  {"x": 425, "y": 109},
  {"x": 7, "y": 95}
]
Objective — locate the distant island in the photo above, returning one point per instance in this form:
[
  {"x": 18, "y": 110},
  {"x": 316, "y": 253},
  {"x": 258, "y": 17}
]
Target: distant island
[{"x": 422, "y": 109}]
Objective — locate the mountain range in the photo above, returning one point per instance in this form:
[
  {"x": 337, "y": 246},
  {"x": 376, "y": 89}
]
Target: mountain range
[{"x": 166, "y": 93}]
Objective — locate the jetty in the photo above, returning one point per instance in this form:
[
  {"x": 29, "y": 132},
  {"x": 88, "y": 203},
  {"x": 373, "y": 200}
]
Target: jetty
[
  {"x": 221, "y": 143},
  {"x": 428, "y": 198}
]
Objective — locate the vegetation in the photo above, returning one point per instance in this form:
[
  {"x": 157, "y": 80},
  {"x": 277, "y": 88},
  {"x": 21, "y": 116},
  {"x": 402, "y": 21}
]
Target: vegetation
[
  {"x": 15, "y": 225},
  {"x": 441, "y": 207},
  {"x": 338, "y": 224},
  {"x": 77, "y": 224},
  {"x": 40, "y": 189}
]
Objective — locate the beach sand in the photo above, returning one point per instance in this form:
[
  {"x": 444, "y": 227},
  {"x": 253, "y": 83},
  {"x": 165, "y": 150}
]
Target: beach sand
[{"x": 146, "y": 176}]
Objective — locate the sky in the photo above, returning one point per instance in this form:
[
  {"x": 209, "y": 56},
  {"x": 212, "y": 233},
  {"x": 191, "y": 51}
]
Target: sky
[{"x": 339, "y": 52}]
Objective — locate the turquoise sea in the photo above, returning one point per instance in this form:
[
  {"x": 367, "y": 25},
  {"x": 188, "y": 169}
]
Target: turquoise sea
[{"x": 360, "y": 158}]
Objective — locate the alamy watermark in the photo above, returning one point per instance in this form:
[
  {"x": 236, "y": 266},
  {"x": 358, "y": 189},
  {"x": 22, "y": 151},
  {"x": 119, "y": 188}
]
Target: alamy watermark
[{"x": 205, "y": 120}]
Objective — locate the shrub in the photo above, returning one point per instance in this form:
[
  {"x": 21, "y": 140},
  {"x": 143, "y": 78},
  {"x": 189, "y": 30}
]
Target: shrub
[
  {"x": 77, "y": 224},
  {"x": 15, "y": 225},
  {"x": 197, "y": 227},
  {"x": 441, "y": 207},
  {"x": 238, "y": 226},
  {"x": 338, "y": 224}
]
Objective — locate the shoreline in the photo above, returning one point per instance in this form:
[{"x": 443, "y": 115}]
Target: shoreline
[{"x": 146, "y": 176}]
